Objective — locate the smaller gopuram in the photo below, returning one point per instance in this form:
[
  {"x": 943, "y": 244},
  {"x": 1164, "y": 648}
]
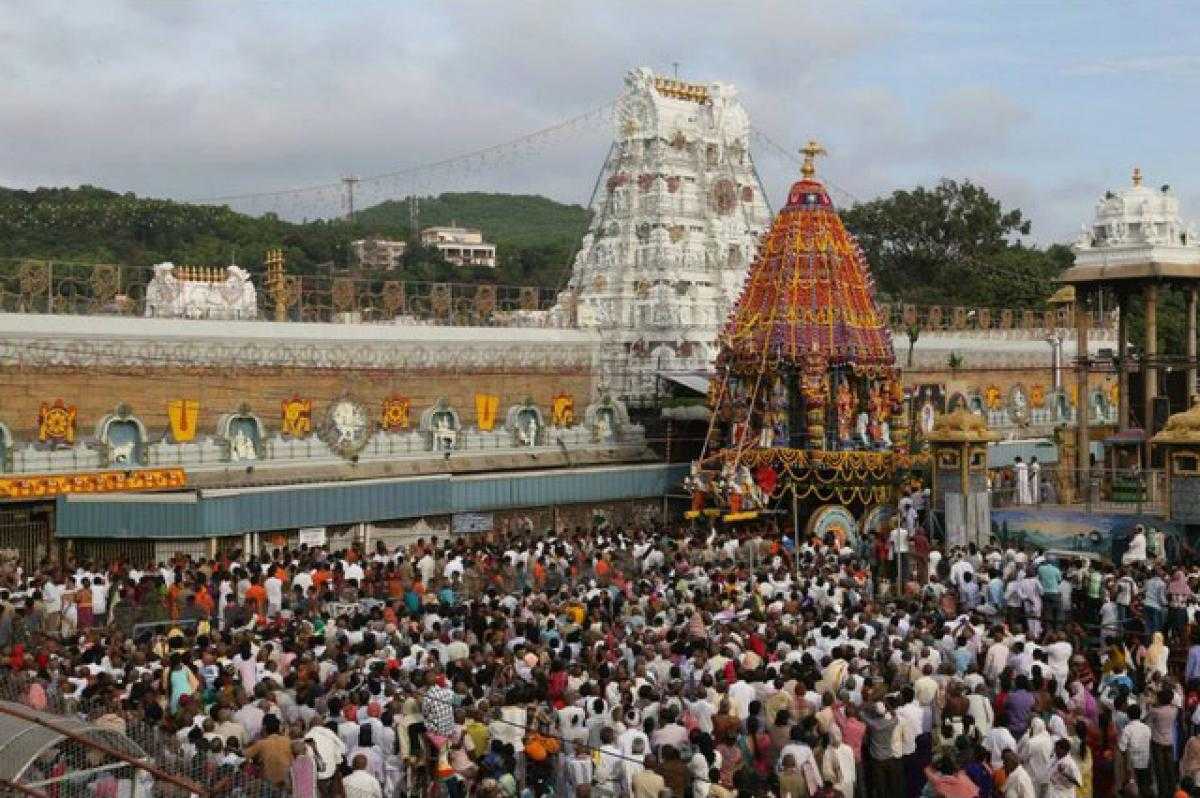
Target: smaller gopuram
[
  {"x": 806, "y": 399},
  {"x": 959, "y": 442},
  {"x": 1179, "y": 441}
]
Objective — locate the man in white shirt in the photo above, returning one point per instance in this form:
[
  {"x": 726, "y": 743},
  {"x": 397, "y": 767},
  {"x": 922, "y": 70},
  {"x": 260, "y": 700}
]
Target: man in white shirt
[
  {"x": 1018, "y": 784},
  {"x": 274, "y": 589},
  {"x": 360, "y": 783},
  {"x": 1065, "y": 777},
  {"x": 899, "y": 541},
  {"x": 1134, "y": 743}
]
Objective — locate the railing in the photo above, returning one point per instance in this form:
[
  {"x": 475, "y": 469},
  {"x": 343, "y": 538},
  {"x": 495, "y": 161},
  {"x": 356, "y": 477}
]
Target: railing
[
  {"x": 950, "y": 318},
  {"x": 79, "y": 288},
  {"x": 1133, "y": 491},
  {"x": 75, "y": 288}
]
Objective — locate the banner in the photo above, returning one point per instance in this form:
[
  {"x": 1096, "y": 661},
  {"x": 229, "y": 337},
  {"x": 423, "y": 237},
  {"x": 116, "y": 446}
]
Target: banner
[
  {"x": 312, "y": 536},
  {"x": 472, "y": 523}
]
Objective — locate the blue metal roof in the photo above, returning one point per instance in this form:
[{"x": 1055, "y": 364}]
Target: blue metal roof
[{"x": 233, "y": 511}]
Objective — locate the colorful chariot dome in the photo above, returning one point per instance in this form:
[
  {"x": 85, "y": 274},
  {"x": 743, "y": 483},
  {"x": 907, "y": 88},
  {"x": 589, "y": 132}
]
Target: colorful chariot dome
[{"x": 808, "y": 302}]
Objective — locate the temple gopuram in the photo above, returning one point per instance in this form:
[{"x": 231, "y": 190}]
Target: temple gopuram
[{"x": 807, "y": 401}]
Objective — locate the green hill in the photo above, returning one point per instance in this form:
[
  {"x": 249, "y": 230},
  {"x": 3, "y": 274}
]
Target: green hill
[{"x": 535, "y": 236}]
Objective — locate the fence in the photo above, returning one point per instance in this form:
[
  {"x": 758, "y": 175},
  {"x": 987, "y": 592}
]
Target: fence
[
  {"x": 1133, "y": 491},
  {"x": 949, "y": 318},
  {"x": 76, "y": 288},
  {"x": 153, "y": 762}
]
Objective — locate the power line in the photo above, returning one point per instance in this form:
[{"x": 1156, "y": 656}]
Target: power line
[{"x": 410, "y": 171}]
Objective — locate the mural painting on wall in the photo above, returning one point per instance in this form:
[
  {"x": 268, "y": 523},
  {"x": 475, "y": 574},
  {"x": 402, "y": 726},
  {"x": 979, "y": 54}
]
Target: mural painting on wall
[
  {"x": 931, "y": 400},
  {"x": 56, "y": 423},
  {"x": 992, "y": 397},
  {"x": 347, "y": 426},
  {"x": 393, "y": 416},
  {"x": 562, "y": 410},
  {"x": 184, "y": 415},
  {"x": 1037, "y": 396},
  {"x": 295, "y": 417},
  {"x": 486, "y": 405}
]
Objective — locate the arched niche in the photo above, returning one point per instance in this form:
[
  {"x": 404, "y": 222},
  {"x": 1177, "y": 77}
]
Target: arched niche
[
  {"x": 123, "y": 437},
  {"x": 441, "y": 424},
  {"x": 526, "y": 423},
  {"x": 606, "y": 418},
  {"x": 242, "y": 433}
]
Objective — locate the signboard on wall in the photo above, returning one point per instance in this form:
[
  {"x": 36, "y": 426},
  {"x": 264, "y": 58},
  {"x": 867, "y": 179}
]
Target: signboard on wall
[
  {"x": 472, "y": 523},
  {"x": 312, "y": 536}
]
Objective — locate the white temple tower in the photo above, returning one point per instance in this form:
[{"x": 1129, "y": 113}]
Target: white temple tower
[{"x": 677, "y": 214}]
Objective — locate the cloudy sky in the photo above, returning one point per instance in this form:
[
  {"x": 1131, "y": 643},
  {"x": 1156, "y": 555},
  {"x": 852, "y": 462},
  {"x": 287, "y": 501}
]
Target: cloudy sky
[{"x": 1047, "y": 104}]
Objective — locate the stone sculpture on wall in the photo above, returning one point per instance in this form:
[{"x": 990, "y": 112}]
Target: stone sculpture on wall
[{"x": 183, "y": 293}]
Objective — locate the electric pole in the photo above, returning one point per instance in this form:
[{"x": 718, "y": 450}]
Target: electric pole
[{"x": 350, "y": 182}]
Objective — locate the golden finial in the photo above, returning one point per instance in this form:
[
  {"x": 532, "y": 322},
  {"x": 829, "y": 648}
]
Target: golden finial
[
  {"x": 276, "y": 284},
  {"x": 810, "y": 151},
  {"x": 1137, "y": 176}
]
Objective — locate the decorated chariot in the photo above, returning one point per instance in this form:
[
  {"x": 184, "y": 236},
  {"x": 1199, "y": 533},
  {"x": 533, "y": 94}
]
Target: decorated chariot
[{"x": 807, "y": 404}]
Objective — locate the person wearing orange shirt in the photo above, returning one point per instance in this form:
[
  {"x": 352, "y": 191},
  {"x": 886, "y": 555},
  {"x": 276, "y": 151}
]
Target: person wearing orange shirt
[
  {"x": 204, "y": 601},
  {"x": 256, "y": 596}
]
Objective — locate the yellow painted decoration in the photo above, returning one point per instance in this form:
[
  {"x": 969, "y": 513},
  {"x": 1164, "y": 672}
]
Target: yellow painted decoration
[
  {"x": 486, "y": 405},
  {"x": 1114, "y": 393},
  {"x": 56, "y": 422},
  {"x": 295, "y": 417},
  {"x": 691, "y": 514},
  {"x": 747, "y": 515},
  {"x": 393, "y": 417},
  {"x": 562, "y": 410},
  {"x": 1037, "y": 396},
  {"x": 185, "y": 416},
  {"x": 992, "y": 397},
  {"x": 47, "y": 485}
]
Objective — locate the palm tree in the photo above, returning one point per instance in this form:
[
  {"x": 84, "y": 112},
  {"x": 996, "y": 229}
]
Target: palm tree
[{"x": 914, "y": 332}]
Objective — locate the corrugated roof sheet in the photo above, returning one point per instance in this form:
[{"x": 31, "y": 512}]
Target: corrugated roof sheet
[{"x": 236, "y": 511}]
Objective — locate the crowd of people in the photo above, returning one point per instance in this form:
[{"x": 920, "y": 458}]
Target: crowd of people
[{"x": 615, "y": 662}]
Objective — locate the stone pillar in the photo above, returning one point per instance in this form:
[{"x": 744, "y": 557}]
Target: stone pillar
[
  {"x": 1191, "y": 343},
  {"x": 1149, "y": 372},
  {"x": 1122, "y": 361},
  {"x": 1081, "y": 392}
]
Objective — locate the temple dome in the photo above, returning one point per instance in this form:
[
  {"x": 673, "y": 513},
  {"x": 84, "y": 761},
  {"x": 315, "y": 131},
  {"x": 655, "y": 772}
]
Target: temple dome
[{"x": 1135, "y": 216}]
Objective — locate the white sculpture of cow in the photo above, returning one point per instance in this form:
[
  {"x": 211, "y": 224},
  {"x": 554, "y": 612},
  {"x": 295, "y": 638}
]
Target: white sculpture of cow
[{"x": 167, "y": 296}]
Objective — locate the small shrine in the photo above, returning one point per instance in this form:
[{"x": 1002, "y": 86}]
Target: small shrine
[
  {"x": 1179, "y": 442},
  {"x": 806, "y": 398},
  {"x": 959, "y": 442}
]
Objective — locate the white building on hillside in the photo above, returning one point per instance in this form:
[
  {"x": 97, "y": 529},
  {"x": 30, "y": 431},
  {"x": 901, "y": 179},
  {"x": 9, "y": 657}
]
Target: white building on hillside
[{"x": 461, "y": 245}]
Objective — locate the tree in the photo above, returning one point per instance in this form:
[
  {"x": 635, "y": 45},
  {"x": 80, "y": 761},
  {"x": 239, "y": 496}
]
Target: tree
[{"x": 953, "y": 244}]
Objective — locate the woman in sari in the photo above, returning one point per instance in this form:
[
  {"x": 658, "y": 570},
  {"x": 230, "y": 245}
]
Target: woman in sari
[
  {"x": 1102, "y": 743},
  {"x": 1083, "y": 759},
  {"x": 1155, "y": 658}
]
